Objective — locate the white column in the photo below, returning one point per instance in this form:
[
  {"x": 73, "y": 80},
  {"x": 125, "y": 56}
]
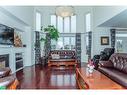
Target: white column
[{"x": 29, "y": 52}]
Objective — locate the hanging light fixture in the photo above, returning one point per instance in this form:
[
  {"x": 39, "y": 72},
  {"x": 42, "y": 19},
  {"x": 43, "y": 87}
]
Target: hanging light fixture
[{"x": 64, "y": 11}]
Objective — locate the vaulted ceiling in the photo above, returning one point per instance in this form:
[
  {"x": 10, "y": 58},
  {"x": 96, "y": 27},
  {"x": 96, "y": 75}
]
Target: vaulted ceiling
[{"x": 119, "y": 21}]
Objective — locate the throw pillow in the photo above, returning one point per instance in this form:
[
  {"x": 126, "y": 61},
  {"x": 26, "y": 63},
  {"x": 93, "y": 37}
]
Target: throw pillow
[{"x": 55, "y": 56}]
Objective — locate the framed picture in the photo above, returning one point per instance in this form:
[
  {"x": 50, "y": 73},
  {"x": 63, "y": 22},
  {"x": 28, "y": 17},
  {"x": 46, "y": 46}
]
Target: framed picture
[{"x": 105, "y": 40}]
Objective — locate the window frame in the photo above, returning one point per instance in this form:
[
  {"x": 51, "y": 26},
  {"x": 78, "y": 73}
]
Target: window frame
[
  {"x": 88, "y": 22},
  {"x": 39, "y": 20}
]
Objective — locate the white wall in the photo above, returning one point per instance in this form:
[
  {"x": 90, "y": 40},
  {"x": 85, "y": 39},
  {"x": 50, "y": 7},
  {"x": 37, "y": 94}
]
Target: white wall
[
  {"x": 97, "y": 33},
  {"x": 24, "y": 13}
]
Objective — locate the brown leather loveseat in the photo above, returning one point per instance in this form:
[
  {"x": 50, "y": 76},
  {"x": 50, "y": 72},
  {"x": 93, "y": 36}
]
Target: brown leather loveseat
[
  {"x": 115, "y": 68},
  {"x": 66, "y": 58},
  {"x": 64, "y": 54}
]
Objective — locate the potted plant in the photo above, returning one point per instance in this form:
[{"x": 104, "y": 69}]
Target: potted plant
[
  {"x": 52, "y": 31},
  {"x": 53, "y": 34}
]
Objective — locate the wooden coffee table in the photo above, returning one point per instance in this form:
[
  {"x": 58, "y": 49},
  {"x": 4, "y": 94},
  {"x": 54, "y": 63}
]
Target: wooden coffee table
[{"x": 96, "y": 80}]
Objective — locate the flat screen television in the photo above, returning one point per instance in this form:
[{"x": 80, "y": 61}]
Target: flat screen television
[{"x": 6, "y": 35}]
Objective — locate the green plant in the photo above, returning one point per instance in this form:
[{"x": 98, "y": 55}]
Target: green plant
[{"x": 52, "y": 31}]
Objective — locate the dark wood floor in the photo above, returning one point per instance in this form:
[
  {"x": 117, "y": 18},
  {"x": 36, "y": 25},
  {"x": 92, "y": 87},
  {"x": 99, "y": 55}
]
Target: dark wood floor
[{"x": 38, "y": 77}]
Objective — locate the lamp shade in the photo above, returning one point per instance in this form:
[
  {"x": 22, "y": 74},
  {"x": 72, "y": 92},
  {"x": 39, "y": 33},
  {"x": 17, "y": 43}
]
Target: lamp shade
[{"x": 64, "y": 11}]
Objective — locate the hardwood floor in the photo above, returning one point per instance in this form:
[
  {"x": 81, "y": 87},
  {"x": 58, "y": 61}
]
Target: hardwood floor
[{"x": 37, "y": 77}]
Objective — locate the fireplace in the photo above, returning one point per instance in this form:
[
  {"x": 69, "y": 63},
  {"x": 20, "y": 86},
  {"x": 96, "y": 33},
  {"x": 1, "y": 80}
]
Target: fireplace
[{"x": 4, "y": 60}]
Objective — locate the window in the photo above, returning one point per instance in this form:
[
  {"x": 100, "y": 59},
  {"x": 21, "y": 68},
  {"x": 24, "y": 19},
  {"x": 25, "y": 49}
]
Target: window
[
  {"x": 87, "y": 44},
  {"x": 53, "y": 20},
  {"x": 88, "y": 22},
  {"x": 53, "y": 45},
  {"x": 60, "y": 24},
  {"x": 64, "y": 26},
  {"x": 38, "y": 21},
  {"x": 72, "y": 43},
  {"x": 73, "y": 24},
  {"x": 121, "y": 42},
  {"x": 119, "y": 45},
  {"x": 64, "y": 43},
  {"x": 67, "y": 43},
  {"x": 59, "y": 43},
  {"x": 67, "y": 25}
]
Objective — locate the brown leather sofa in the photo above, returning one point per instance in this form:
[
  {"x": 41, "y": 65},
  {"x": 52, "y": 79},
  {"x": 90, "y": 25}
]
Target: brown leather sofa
[
  {"x": 66, "y": 58},
  {"x": 115, "y": 68}
]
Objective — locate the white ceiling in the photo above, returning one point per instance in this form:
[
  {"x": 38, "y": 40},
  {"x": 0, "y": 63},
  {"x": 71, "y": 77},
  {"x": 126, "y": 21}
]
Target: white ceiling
[{"x": 119, "y": 21}]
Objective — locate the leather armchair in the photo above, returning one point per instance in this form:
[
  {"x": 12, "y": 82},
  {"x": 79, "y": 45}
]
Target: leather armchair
[
  {"x": 104, "y": 56},
  {"x": 4, "y": 72},
  {"x": 7, "y": 81}
]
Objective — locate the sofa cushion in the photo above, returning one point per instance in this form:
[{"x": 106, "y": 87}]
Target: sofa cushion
[
  {"x": 55, "y": 56},
  {"x": 106, "y": 64},
  {"x": 105, "y": 70},
  {"x": 119, "y": 61},
  {"x": 115, "y": 75}
]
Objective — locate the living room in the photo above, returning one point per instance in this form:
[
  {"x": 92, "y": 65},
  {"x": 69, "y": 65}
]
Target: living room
[{"x": 30, "y": 58}]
